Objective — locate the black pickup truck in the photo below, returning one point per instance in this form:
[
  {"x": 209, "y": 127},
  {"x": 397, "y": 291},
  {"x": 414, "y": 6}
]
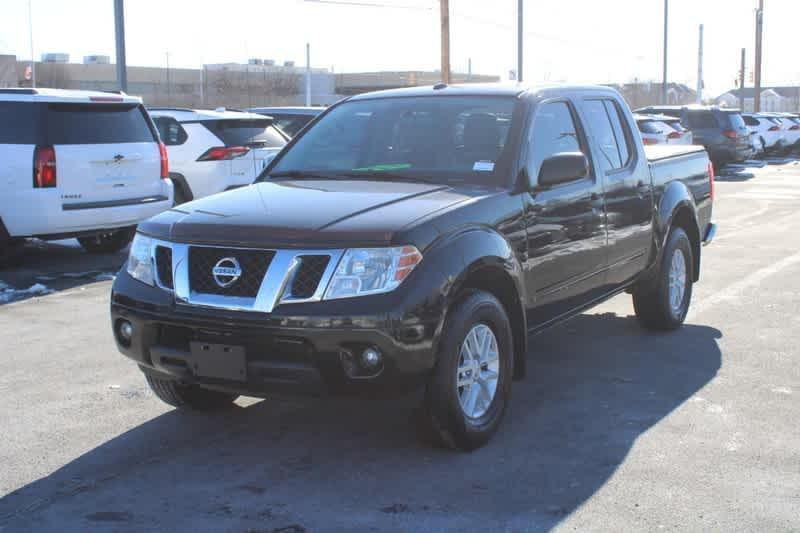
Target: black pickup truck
[{"x": 415, "y": 238}]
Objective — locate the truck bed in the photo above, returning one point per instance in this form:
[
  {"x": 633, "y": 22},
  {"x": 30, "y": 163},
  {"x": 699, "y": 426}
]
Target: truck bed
[{"x": 666, "y": 151}]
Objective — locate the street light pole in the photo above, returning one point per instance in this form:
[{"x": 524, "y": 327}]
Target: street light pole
[
  {"x": 33, "y": 58},
  {"x": 757, "y": 76},
  {"x": 666, "y": 27},
  {"x": 444, "y": 6},
  {"x": 519, "y": 40},
  {"x": 700, "y": 68},
  {"x": 119, "y": 36},
  {"x": 308, "y": 74}
]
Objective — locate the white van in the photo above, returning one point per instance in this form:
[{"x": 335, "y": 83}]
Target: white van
[{"x": 78, "y": 164}]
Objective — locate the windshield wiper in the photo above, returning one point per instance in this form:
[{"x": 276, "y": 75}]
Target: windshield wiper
[
  {"x": 299, "y": 175},
  {"x": 386, "y": 176}
]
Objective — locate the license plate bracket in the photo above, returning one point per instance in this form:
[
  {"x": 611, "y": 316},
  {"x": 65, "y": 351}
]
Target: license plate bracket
[{"x": 221, "y": 361}]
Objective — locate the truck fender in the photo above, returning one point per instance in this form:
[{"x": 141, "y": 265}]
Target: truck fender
[
  {"x": 481, "y": 258},
  {"x": 676, "y": 205}
]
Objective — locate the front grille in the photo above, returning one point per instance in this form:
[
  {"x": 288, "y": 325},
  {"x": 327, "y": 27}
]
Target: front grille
[
  {"x": 253, "y": 264},
  {"x": 308, "y": 275},
  {"x": 164, "y": 266}
]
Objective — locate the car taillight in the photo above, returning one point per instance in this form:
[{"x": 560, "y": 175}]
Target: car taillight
[
  {"x": 162, "y": 150},
  {"x": 675, "y": 135},
  {"x": 774, "y": 128},
  {"x": 649, "y": 140},
  {"x": 711, "y": 178},
  {"x": 795, "y": 127},
  {"x": 44, "y": 167},
  {"x": 221, "y": 153},
  {"x": 730, "y": 134}
]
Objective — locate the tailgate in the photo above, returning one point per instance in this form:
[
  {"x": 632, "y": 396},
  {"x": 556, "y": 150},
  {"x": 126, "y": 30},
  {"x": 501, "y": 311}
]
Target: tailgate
[{"x": 107, "y": 172}]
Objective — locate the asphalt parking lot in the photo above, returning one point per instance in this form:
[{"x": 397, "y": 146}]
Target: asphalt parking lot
[{"x": 615, "y": 429}]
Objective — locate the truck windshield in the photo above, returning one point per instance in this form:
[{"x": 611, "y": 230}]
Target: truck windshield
[{"x": 440, "y": 139}]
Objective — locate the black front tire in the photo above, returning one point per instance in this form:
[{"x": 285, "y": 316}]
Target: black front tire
[
  {"x": 109, "y": 242},
  {"x": 652, "y": 302},
  {"x": 442, "y": 421},
  {"x": 177, "y": 394}
]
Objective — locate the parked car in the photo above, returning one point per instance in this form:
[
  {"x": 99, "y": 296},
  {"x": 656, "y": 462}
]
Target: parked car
[
  {"x": 213, "y": 151},
  {"x": 675, "y": 124},
  {"x": 767, "y": 132},
  {"x": 408, "y": 238},
  {"x": 78, "y": 164},
  {"x": 790, "y": 128},
  {"x": 289, "y": 119},
  {"x": 654, "y": 130},
  {"x": 722, "y": 132}
]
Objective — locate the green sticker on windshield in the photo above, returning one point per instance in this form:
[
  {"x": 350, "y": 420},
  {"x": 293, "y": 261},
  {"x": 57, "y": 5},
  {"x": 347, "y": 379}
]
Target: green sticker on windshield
[{"x": 384, "y": 168}]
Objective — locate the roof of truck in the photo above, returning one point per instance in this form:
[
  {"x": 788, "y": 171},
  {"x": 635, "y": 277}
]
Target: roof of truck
[
  {"x": 477, "y": 89},
  {"x": 44, "y": 94}
]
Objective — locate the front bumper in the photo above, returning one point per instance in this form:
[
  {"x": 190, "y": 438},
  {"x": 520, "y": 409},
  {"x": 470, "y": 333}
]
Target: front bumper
[{"x": 305, "y": 348}]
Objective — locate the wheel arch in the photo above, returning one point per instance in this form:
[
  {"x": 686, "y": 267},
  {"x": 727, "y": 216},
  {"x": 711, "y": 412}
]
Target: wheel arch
[
  {"x": 677, "y": 208},
  {"x": 489, "y": 264},
  {"x": 180, "y": 182}
]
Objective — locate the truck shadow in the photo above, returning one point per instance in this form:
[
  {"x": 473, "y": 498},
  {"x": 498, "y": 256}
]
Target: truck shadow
[
  {"x": 36, "y": 267},
  {"x": 595, "y": 385}
]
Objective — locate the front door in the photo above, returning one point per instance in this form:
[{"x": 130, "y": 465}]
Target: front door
[{"x": 566, "y": 232}]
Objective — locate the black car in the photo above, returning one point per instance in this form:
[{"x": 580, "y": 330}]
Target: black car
[
  {"x": 289, "y": 119},
  {"x": 722, "y": 132},
  {"x": 414, "y": 239}
]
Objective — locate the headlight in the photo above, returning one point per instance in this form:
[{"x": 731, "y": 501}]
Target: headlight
[
  {"x": 140, "y": 259},
  {"x": 364, "y": 271}
]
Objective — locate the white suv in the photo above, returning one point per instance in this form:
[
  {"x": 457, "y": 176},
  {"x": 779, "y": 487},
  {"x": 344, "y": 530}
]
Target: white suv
[
  {"x": 213, "y": 151},
  {"x": 78, "y": 164}
]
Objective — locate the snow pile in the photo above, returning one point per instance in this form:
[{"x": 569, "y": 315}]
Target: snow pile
[{"x": 10, "y": 294}]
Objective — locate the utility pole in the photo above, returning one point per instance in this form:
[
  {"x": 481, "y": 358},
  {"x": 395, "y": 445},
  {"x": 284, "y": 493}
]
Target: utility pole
[
  {"x": 469, "y": 69},
  {"x": 700, "y": 68},
  {"x": 308, "y": 75},
  {"x": 759, "y": 31},
  {"x": 119, "y": 37},
  {"x": 444, "y": 6},
  {"x": 33, "y": 57},
  {"x": 666, "y": 27},
  {"x": 169, "y": 88},
  {"x": 519, "y": 40},
  {"x": 741, "y": 81}
]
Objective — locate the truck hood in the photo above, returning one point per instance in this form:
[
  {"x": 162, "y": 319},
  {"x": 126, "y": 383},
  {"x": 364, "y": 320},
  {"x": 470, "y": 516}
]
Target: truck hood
[{"x": 302, "y": 213}]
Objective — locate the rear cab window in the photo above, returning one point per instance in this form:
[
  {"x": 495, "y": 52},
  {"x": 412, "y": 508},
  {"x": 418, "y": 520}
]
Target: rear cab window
[
  {"x": 247, "y": 132},
  {"x": 603, "y": 121}
]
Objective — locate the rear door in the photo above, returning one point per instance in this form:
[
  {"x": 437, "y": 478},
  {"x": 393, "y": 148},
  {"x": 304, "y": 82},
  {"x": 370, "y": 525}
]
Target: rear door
[
  {"x": 259, "y": 136},
  {"x": 104, "y": 152}
]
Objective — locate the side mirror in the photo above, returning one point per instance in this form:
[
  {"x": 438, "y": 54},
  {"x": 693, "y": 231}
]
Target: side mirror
[{"x": 562, "y": 168}]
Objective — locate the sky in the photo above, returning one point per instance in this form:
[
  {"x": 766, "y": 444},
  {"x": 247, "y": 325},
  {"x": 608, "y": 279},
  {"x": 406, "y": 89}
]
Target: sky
[{"x": 573, "y": 41}]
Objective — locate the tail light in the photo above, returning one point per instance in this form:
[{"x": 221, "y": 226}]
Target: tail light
[
  {"x": 649, "y": 140},
  {"x": 221, "y": 153},
  {"x": 44, "y": 167},
  {"x": 711, "y": 178},
  {"x": 795, "y": 127},
  {"x": 162, "y": 150},
  {"x": 730, "y": 134},
  {"x": 675, "y": 135},
  {"x": 774, "y": 128}
]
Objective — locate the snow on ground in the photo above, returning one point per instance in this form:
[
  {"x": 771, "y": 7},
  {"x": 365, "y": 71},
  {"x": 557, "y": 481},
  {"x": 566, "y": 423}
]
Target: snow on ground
[{"x": 10, "y": 294}]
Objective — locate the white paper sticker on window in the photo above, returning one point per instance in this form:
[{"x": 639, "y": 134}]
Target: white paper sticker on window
[{"x": 483, "y": 166}]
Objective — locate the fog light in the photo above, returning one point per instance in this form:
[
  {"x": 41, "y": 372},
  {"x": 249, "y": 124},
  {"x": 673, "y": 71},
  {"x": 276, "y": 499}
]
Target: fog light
[
  {"x": 371, "y": 357},
  {"x": 125, "y": 330}
]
